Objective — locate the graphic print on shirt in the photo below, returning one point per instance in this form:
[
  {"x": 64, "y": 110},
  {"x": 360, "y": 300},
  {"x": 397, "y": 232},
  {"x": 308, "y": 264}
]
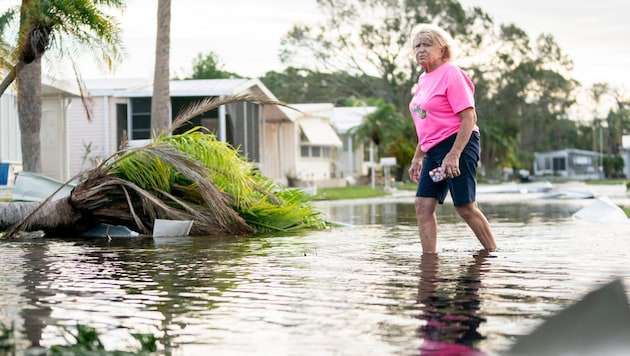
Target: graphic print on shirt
[
  {"x": 417, "y": 109},
  {"x": 421, "y": 113}
]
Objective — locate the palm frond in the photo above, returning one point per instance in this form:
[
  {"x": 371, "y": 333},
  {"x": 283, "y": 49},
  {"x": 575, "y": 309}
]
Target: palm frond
[
  {"x": 190, "y": 176},
  {"x": 214, "y": 102}
]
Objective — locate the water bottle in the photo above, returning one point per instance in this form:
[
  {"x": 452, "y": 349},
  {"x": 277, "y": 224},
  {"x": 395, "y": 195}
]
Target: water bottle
[{"x": 436, "y": 175}]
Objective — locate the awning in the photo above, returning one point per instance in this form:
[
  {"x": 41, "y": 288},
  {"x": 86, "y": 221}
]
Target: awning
[{"x": 319, "y": 133}]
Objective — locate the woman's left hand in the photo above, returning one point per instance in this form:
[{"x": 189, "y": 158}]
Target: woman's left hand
[{"x": 450, "y": 165}]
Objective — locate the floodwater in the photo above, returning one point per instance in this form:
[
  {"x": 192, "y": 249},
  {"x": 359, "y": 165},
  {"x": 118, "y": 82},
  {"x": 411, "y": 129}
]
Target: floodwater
[{"x": 360, "y": 289}]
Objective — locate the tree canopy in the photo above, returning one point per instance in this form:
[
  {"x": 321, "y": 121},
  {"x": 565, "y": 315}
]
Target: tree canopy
[
  {"x": 524, "y": 89},
  {"x": 63, "y": 28},
  {"x": 209, "y": 66}
]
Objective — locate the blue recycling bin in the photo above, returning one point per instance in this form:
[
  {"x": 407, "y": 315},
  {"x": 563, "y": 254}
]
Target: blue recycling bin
[{"x": 4, "y": 173}]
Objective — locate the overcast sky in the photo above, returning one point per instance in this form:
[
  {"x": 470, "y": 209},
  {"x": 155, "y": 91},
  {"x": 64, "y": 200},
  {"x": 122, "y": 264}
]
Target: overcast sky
[
  {"x": 246, "y": 33},
  {"x": 595, "y": 34}
]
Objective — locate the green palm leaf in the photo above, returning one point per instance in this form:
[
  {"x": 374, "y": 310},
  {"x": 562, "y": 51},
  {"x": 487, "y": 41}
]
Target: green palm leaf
[{"x": 194, "y": 172}]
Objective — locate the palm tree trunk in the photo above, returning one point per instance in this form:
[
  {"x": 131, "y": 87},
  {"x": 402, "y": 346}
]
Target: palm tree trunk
[
  {"x": 160, "y": 103},
  {"x": 29, "y": 82},
  {"x": 53, "y": 216}
]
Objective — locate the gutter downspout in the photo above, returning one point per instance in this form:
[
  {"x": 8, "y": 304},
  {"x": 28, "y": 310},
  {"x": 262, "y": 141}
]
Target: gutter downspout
[
  {"x": 373, "y": 178},
  {"x": 67, "y": 102},
  {"x": 222, "y": 124},
  {"x": 350, "y": 155},
  {"x": 106, "y": 122},
  {"x": 280, "y": 151}
]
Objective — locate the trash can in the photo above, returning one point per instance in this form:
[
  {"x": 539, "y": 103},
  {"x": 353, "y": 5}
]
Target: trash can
[{"x": 4, "y": 173}]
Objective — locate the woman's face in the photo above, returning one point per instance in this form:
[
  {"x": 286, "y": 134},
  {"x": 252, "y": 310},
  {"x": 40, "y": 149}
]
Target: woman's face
[{"x": 427, "y": 53}]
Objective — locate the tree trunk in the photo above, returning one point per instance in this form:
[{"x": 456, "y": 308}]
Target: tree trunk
[
  {"x": 54, "y": 216},
  {"x": 160, "y": 103},
  {"x": 29, "y": 83}
]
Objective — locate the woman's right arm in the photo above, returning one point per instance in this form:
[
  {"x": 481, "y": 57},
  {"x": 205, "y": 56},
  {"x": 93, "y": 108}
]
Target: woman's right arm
[{"x": 416, "y": 165}]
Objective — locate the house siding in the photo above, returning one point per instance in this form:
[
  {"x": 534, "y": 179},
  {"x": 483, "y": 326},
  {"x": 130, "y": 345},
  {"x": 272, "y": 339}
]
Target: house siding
[
  {"x": 53, "y": 138},
  {"x": 10, "y": 149},
  {"x": 84, "y": 134},
  {"x": 279, "y": 151},
  {"x": 10, "y": 145}
]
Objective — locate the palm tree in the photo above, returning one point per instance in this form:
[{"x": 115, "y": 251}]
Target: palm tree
[
  {"x": 161, "y": 97},
  {"x": 190, "y": 176},
  {"x": 62, "y": 25}
]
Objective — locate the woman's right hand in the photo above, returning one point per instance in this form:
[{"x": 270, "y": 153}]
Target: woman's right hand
[{"x": 414, "y": 170}]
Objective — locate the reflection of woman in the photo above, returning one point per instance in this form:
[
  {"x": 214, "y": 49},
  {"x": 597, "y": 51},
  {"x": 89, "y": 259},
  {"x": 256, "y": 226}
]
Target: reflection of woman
[
  {"x": 443, "y": 111},
  {"x": 450, "y": 306}
]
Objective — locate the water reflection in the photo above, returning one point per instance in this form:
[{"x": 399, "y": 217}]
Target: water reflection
[
  {"x": 403, "y": 213},
  {"x": 361, "y": 289},
  {"x": 526, "y": 213},
  {"x": 450, "y": 307},
  {"x": 36, "y": 269}
]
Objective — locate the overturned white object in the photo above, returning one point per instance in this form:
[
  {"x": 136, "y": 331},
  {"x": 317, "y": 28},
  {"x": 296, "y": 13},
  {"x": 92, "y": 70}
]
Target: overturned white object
[
  {"x": 106, "y": 230},
  {"x": 535, "y": 187},
  {"x": 597, "y": 324},
  {"x": 36, "y": 187},
  {"x": 602, "y": 210},
  {"x": 164, "y": 227}
]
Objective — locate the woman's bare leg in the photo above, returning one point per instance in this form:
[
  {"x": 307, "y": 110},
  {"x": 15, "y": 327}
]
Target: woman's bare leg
[
  {"x": 478, "y": 223},
  {"x": 427, "y": 223}
]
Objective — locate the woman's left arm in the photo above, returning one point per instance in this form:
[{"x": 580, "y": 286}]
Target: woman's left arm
[{"x": 450, "y": 164}]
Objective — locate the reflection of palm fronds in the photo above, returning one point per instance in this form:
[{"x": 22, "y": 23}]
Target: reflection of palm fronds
[{"x": 190, "y": 176}]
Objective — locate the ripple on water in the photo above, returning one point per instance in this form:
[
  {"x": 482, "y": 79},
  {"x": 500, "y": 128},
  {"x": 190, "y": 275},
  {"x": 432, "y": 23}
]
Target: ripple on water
[{"x": 357, "y": 290}]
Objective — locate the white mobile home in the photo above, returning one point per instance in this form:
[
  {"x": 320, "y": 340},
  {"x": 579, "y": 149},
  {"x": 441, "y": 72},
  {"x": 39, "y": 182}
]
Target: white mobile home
[
  {"x": 302, "y": 142},
  {"x": 319, "y": 144},
  {"x": 121, "y": 107},
  {"x": 568, "y": 163},
  {"x": 57, "y": 97},
  {"x": 354, "y": 156}
]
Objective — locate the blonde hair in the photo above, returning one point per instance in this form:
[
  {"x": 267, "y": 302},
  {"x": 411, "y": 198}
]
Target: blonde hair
[{"x": 436, "y": 35}]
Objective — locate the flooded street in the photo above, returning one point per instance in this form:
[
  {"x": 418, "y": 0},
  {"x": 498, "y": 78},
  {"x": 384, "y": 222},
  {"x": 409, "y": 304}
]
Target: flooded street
[{"x": 360, "y": 289}]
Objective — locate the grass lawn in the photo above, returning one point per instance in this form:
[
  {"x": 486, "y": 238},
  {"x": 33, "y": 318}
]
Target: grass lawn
[
  {"x": 366, "y": 191},
  {"x": 351, "y": 192}
]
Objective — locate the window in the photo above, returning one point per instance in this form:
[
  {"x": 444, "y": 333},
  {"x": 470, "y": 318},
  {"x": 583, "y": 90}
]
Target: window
[
  {"x": 366, "y": 151},
  {"x": 140, "y": 119},
  {"x": 581, "y": 160},
  {"x": 121, "y": 123},
  {"x": 315, "y": 151},
  {"x": 245, "y": 122},
  {"x": 559, "y": 164}
]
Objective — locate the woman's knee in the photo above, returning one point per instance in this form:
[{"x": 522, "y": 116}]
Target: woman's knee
[
  {"x": 467, "y": 210},
  {"x": 425, "y": 206}
]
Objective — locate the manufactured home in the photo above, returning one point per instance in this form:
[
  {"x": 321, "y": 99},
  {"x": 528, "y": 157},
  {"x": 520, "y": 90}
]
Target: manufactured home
[{"x": 568, "y": 163}]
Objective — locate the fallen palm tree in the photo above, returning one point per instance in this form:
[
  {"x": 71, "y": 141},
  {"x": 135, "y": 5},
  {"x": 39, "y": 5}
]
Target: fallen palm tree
[{"x": 189, "y": 176}]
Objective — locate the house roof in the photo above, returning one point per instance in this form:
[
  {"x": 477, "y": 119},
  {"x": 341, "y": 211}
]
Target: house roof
[
  {"x": 114, "y": 87},
  {"x": 134, "y": 88},
  {"x": 297, "y": 111},
  {"x": 314, "y": 121},
  {"x": 568, "y": 151},
  {"x": 319, "y": 132},
  {"x": 142, "y": 87},
  {"x": 346, "y": 118},
  {"x": 54, "y": 86},
  {"x": 341, "y": 118}
]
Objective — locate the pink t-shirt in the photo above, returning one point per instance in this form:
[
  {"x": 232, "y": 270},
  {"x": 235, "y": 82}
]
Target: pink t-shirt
[{"x": 439, "y": 96}]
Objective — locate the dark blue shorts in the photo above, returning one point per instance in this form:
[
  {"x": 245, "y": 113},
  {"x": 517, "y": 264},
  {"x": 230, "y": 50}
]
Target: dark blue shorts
[{"x": 463, "y": 188}]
